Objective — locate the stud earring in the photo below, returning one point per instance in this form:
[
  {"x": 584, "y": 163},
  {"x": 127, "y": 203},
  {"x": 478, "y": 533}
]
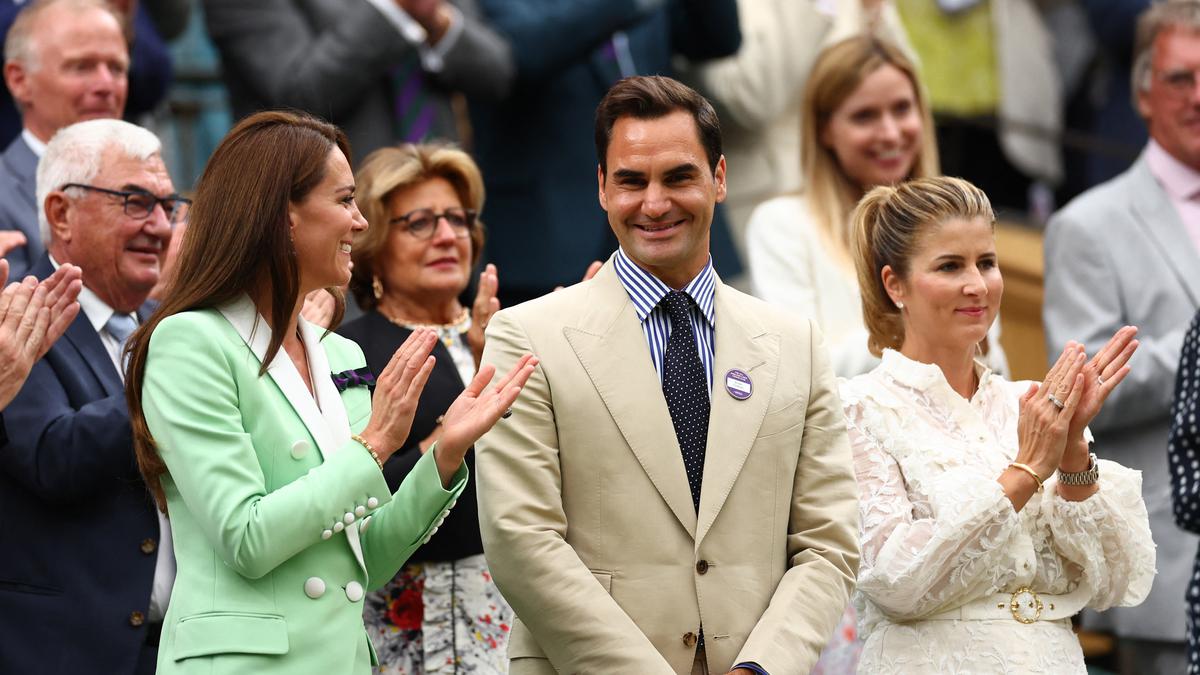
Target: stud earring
[
  {"x": 377, "y": 287},
  {"x": 899, "y": 305}
]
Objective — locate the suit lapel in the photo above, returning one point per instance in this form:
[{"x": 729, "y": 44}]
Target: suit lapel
[
  {"x": 740, "y": 343},
  {"x": 22, "y": 163},
  {"x": 1157, "y": 217},
  {"x": 327, "y": 424},
  {"x": 87, "y": 342},
  {"x": 612, "y": 348},
  {"x": 83, "y": 337}
]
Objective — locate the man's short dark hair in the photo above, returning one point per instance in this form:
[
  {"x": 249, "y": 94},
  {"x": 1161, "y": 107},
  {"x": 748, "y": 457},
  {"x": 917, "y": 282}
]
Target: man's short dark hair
[{"x": 648, "y": 97}]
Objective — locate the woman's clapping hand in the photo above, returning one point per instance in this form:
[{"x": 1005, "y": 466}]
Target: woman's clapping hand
[{"x": 475, "y": 410}]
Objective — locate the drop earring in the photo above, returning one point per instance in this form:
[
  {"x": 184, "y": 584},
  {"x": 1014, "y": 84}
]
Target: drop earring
[
  {"x": 899, "y": 305},
  {"x": 377, "y": 287}
]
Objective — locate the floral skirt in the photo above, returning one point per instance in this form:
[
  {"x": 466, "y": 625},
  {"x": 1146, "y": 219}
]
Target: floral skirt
[{"x": 443, "y": 617}]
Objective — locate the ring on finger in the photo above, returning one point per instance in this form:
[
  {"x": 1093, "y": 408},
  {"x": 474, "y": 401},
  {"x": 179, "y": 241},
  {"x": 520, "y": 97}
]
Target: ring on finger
[
  {"x": 1055, "y": 400},
  {"x": 1100, "y": 380}
]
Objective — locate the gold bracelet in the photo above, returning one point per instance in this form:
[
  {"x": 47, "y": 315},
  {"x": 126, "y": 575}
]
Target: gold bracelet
[
  {"x": 374, "y": 455},
  {"x": 1028, "y": 470}
]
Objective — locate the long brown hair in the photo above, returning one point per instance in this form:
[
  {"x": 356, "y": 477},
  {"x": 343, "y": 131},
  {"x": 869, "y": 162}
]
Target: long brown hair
[
  {"x": 836, "y": 75},
  {"x": 238, "y": 241}
]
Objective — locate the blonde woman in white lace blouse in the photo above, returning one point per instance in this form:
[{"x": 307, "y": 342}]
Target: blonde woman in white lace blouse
[{"x": 986, "y": 523}]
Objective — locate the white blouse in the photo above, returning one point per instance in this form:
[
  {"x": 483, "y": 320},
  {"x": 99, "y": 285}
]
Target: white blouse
[{"x": 938, "y": 532}]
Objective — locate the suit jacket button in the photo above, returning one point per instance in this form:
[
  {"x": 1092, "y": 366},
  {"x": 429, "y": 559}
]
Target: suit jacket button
[
  {"x": 300, "y": 449},
  {"x": 372, "y": 502},
  {"x": 314, "y": 587},
  {"x": 148, "y": 546},
  {"x": 702, "y": 567},
  {"x": 360, "y": 510},
  {"x": 136, "y": 618},
  {"x": 354, "y": 591},
  {"x": 689, "y": 639}
]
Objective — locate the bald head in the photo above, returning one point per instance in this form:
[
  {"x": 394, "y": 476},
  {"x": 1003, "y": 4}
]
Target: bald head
[{"x": 66, "y": 61}]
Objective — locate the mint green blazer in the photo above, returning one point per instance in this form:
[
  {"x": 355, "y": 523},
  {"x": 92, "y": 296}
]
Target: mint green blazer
[{"x": 280, "y": 522}]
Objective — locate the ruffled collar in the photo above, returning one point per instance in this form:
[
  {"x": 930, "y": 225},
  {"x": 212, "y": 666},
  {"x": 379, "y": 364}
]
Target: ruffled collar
[{"x": 926, "y": 377}]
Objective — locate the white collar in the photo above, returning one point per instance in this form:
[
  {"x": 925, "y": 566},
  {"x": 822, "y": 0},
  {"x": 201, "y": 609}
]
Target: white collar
[
  {"x": 923, "y": 376},
  {"x": 35, "y": 144}
]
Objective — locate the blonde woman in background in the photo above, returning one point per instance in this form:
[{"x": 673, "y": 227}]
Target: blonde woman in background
[
  {"x": 864, "y": 122},
  {"x": 986, "y": 523}
]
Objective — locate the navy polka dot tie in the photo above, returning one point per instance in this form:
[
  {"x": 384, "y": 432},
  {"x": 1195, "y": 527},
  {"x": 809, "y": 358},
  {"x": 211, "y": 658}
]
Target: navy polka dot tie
[{"x": 685, "y": 387}]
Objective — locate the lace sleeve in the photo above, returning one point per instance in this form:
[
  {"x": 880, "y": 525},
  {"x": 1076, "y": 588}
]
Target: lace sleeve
[
  {"x": 954, "y": 551},
  {"x": 1107, "y": 535}
]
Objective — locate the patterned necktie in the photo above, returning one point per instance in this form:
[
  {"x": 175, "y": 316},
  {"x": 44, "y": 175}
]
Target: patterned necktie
[
  {"x": 685, "y": 387},
  {"x": 121, "y": 326},
  {"x": 414, "y": 111}
]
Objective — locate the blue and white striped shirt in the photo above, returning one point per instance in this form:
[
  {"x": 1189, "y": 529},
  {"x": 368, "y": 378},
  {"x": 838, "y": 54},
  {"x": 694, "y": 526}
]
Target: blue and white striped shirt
[{"x": 646, "y": 292}]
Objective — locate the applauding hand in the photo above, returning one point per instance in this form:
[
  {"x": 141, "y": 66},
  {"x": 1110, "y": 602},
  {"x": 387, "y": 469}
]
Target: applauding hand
[
  {"x": 485, "y": 306},
  {"x": 476, "y": 410},
  {"x": 397, "y": 390},
  {"x": 32, "y": 317}
]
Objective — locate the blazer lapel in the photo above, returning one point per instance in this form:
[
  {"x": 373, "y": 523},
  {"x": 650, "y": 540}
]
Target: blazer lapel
[
  {"x": 87, "y": 342},
  {"x": 327, "y": 426},
  {"x": 612, "y": 348},
  {"x": 740, "y": 343},
  {"x": 1157, "y": 217}
]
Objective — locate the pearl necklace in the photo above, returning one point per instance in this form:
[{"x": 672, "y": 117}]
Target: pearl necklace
[{"x": 446, "y": 332}]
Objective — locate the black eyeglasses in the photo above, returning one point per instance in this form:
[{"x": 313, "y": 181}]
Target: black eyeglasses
[
  {"x": 422, "y": 223},
  {"x": 140, "y": 204}
]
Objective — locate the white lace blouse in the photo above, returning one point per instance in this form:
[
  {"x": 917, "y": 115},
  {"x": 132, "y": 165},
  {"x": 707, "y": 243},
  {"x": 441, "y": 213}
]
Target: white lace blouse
[{"x": 938, "y": 531}]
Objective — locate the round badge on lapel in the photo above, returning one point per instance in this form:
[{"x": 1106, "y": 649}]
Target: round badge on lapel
[
  {"x": 738, "y": 384},
  {"x": 300, "y": 449}
]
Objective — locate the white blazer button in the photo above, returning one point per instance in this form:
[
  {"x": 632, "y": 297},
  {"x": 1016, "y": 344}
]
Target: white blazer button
[
  {"x": 327, "y": 534},
  {"x": 362, "y": 527},
  {"x": 314, "y": 587},
  {"x": 432, "y": 532},
  {"x": 372, "y": 502},
  {"x": 360, "y": 510},
  {"x": 300, "y": 449},
  {"x": 348, "y": 518},
  {"x": 338, "y": 526},
  {"x": 354, "y": 591}
]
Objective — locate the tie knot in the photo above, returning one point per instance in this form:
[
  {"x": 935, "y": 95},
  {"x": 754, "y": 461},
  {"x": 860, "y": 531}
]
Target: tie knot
[
  {"x": 120, "y": 326},
  {"x": 678, "y": 304}
]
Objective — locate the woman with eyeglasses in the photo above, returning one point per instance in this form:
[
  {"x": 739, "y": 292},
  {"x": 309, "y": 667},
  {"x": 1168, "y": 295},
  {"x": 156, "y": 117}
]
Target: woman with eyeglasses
[{"x": 442, "y": 611}]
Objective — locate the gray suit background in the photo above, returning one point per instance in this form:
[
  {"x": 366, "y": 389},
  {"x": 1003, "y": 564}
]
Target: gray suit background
[
  {"x": 18, "y": 205},
  {"x": 1117, "y": 255},
  {"x": 333, "y": 58}
]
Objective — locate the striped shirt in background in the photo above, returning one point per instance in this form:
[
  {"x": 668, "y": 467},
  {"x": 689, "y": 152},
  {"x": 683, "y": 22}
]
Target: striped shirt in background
[{"x": 646, "y": 292}]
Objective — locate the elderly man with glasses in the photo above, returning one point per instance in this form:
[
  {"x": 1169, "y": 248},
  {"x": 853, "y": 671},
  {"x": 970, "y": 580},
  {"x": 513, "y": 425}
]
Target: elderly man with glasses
[
  {"x": 1128, "y": 252},
  {"x": 90, "y": 585}
]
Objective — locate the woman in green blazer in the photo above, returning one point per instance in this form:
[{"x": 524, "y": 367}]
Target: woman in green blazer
[{"x": 257, "y": 431}]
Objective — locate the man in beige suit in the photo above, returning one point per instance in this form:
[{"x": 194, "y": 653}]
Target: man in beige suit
[{"x": 674, "y": 490}]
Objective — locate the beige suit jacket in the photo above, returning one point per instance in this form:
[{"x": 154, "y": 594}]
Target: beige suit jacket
[{"x": 587, "y": 519}]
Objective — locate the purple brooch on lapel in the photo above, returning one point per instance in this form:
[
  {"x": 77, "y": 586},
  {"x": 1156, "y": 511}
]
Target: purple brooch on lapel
[{"x": 359, "y": 377}]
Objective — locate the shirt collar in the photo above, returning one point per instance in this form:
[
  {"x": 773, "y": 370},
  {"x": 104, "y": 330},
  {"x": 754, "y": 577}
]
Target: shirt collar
[
  {"x": 35, "y": 144},
  {"x": 924, "y": 376},
  {"x": 1181, "y": 181},
  {"x": 646, "y": 290},
  {"x": 96, "y": 310}
]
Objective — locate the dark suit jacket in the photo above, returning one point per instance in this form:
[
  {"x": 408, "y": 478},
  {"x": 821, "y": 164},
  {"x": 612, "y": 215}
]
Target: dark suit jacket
[
  {"x": 333, "y": 58},
  {"x": 1183, "y": 448},
  {"x": 458, "y": 537},
  {"x": 74, "y": 517},
  {"x": 18, "y": 205},
  {"x": 536, "y": 147}
]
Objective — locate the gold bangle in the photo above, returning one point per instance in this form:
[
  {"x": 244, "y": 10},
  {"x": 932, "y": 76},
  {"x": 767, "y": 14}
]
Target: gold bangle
[
  {"x": 374, "y": 455},
  {"x": 1026, "y": 468}
]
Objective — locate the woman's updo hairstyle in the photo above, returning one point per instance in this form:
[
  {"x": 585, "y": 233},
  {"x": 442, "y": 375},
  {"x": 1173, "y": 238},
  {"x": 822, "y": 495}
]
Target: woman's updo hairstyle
[{"x": 888, "y": 224}]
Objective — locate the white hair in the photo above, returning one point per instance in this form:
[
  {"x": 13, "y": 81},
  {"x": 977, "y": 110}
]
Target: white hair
[{"x": 74, "y": 155}]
